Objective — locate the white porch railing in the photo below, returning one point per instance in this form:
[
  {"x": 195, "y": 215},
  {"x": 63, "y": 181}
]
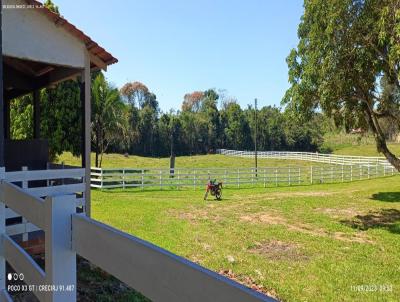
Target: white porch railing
[
  {"x": 156, "y": 273},
  {"x": 42, "y": 183}
]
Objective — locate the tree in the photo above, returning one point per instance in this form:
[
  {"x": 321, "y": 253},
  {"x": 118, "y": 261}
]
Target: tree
[
  {"x": 237, "y": 129},
  {"x": 21, "y": 118},
  {"x": 345, "y": 47},
  {"x": 108, "y": 123},
  {"x": 51, "y": 6},
  {"x": 137, "y": 94},
  {"x": 60, "y": 118},
  {"x": 192, "y": 101}
]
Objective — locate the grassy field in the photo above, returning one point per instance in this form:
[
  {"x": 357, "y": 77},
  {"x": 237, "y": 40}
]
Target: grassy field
[
  {"x": 198, "y": 161},
  {"x": 350, "y": 144},
  {"x": 366, "y": 150},
  {"x": 305, "y": 243}
]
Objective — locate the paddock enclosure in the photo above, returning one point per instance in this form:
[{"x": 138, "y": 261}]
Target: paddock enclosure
[{"x": 325, "y": 168}]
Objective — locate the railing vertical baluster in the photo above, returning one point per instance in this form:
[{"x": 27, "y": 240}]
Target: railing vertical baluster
[
  {"x": 238, "y": 178},
  {"x": 24, "y": 221},
  {"x": 311, "y": 175},
  {"x": 60, "y": 262}
]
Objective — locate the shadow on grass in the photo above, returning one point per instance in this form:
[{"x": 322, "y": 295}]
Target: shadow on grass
[
  {"x": 388, "y": 219},
  {"x": 387, "y": 196}
]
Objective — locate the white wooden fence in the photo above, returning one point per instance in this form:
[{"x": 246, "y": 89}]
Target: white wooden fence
[
  {"x": 42, "y": 183},
  {"x": 156, "y": 273},
  {"x": 105, "y": 178},
  {"x": 309, "y": 156}
]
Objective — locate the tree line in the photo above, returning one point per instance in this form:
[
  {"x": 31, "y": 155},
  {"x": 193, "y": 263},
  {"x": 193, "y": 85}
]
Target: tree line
[{"x": 129, "y": 120}]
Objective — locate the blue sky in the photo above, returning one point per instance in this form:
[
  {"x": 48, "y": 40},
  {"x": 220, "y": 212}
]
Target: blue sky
[{"x": 178, "y": 46}]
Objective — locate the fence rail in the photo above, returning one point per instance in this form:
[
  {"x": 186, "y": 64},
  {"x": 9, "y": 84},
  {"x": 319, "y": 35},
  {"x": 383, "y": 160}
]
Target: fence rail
[
  {"x": 234, "y": 177},
  {"x": 309, "y": 156}
]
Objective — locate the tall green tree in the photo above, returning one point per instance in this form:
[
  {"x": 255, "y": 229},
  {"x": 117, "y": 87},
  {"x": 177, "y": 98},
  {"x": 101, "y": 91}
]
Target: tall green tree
[
  {"x": 60, "y": 118},
  {"x": 108, "y": 121},
  {"x": 345, "y": 47}
]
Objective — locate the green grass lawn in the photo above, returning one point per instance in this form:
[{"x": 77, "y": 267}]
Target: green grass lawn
[
  {"x": 352, "y": 144},
  {"x": 366, "y": 150},
  {"x": 197, "y": 161},
  {"x": 304, "y": 243}
]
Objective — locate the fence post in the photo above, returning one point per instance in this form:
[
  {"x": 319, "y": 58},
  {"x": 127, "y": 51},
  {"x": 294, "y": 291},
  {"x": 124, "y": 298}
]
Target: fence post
[
  {"x": 265, "y": 178},
  {"x": 276, "y": 177},
  {"x": 194, "y": 180},
  {"x": 351, "y": 173},
  {"x": 342, "y": 173},
  {"x": 142, "y": 179},
  {"x": 60, "y": 261},
  {"x": 101, "y": 178},
  {"x": 225, "y": 176},
  {"x": 160, "y": 179},
  {"x": 368, "y": 171},
  {"x": 238, "y": 178},
  {"x": 299, "y": 179},
  {"x": 311, "y": 175},
  {"x": 24, "y": 221},
  {"x": 123, "y": 178},
  {"x": 2, "y": 231},
  {"x": 289, "y": 176}
]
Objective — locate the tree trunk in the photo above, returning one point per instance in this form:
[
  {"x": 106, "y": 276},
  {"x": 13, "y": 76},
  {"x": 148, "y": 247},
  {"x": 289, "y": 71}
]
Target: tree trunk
[{"x": 380, "y": 139}]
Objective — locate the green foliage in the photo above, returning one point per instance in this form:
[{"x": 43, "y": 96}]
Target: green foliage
[
  {"x": 60, "y": 121},
  {"x": 21, "y": 117},
  {"x": 51, "y": 6},
  {"x": 345, "y": 48},
  {"x": 109, "y": 124}
]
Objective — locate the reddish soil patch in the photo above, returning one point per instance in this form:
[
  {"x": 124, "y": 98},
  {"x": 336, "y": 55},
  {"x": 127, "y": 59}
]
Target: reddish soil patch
[
  {"x": 247, "y": 281},
  {"x": 279, "y": 250}
]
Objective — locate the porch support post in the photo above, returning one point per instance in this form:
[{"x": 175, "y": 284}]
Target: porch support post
[
  {"x": 86, "y": 139},
  {"x": 2, "y": 168},
  {"x": 2, "y": 111},
  {"x": 36, "y": 114}
]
